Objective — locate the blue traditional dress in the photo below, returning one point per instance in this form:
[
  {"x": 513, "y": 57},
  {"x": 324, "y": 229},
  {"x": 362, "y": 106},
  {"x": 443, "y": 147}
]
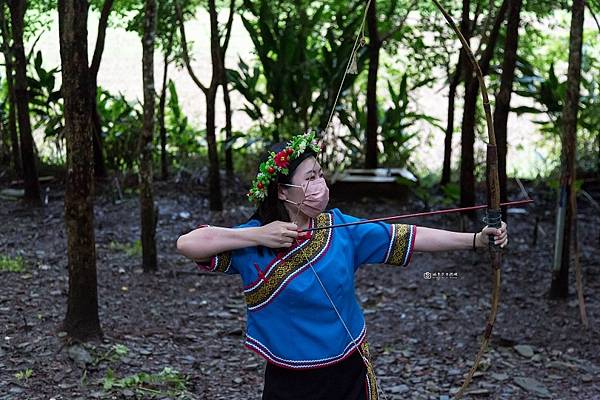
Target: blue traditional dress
[{"x": 290, "y": 319}]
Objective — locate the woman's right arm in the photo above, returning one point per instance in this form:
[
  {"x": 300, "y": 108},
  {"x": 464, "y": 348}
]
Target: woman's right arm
[{"x": 203, "y": 243}]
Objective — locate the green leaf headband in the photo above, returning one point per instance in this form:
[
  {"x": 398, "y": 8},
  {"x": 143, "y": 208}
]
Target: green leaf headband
[{"x": 278, "y": 162}]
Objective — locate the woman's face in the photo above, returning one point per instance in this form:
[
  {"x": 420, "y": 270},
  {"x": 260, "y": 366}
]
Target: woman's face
[{"x": 308, "y": 170}]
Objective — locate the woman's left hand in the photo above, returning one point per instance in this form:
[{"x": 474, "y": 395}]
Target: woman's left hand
[{"x": 500, "y": 236}]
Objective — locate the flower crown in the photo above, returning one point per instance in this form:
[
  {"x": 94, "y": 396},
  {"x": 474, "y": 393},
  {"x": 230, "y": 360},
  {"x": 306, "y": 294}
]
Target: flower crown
[{"x": 278, "y": 162}]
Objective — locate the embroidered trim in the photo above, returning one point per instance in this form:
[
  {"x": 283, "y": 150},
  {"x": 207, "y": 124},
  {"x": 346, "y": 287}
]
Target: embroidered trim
[
  {"x": 401, "y": 244},
  {"x": 218, "y": 263},
  {"x": 284, "y": 270},
  {"x": 295, "y": 248},
  {"x": 264, "y": 352},
  {"x": 370, "y": 377}
]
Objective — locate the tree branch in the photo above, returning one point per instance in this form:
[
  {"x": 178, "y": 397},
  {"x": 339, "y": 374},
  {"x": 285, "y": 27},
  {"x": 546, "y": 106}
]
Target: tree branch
[
  {"x": 186, "y": 56},
  {"x": 391, "y": 33},
  {"x": 587, "y": 3},
  {"x": 99, "y": 49},
  {"x": 228, "y": 28},
  {"x": 490, "y": 44}
]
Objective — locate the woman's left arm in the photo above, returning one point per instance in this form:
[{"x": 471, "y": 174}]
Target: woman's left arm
[{"x": 429, "y": 239}]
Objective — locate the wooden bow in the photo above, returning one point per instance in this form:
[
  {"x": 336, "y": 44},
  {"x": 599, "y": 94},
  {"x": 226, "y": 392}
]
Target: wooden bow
[{"x": 493, "y": 195}]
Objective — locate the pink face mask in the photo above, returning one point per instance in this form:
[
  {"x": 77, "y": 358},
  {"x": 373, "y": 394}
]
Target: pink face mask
[{"x": 315, "y": 198}]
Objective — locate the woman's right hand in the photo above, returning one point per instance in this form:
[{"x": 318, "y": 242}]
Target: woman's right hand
[{"x": 278, "y": 234}]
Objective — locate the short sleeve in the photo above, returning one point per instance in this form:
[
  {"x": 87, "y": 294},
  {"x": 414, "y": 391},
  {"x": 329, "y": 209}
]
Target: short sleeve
[
  {"x": 379, "y": 242},
  {"x": 225, "y": 262}
]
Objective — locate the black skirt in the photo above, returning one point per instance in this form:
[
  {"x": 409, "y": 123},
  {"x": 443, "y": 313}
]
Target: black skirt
[{"x": 348, "y": 379}]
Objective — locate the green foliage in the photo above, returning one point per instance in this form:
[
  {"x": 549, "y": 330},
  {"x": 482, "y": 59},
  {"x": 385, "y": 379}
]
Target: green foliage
[
  {"x": 24, "y": 375},
  {"x": 184, "y": 141},
  {"x": 12, "y": 264},
  {"x": 122, "y": 125},
  {"x": 45, "y": 101},
  {"x": 121, "y": 128},
  {"x": 114, "y": 354},
  {"x": 302, "y": 49},
  {"x": 396, "y": 126},
  {"x": 131, "y": 249},
  {"x": 549, "y": 92},
  {"x": 167, "y": 382}
]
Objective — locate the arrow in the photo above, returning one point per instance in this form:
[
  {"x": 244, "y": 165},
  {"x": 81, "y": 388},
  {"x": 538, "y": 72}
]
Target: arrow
[{"x": 421, "y": 214}]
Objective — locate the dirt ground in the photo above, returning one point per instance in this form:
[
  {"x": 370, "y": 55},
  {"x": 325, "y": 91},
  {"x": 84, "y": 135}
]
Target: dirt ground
[{"x": 423, "y": 333}]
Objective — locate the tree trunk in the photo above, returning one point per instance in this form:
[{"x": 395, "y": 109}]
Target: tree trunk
[
  {"x": 99, "y": 159},
  {"x": 164, "y": 162},
  {"x": 214, "y": 180},
  {"x": 456, "y": 79},
  {"x": 467, "y": 167},
  {"x": 81, "y": 321},
  {"x": 228, "y": 128},
  {"x": 96, "y": 129},
  {"x": 30, "y": 174},
  {"x": 560, "y": 278},
  {"x": 467, "y": 185},
  {"x": 12, "y": 119},
  {"x": 147, "y": 210},
  {"x": 217, "y": 53},
  {"x": 372, "y": 117},
  {"x": 4, "y": 142},
  {"x": 502, "y": 109},
  {"x": 96, "y": 132},
  {"x": 463, "y": 69}
]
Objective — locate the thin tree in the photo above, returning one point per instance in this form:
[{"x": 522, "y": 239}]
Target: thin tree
[
  {"x": 467, "y": 165},
  {"x": 226, "y": 97},
  {"x": 465, "y": 29},
  {"x": 147, "y": 209},
  {"x": 511, "y": 44},
  {"x": 28, "y": 158},
  {"x": 376, "y": 42},
  {"x": 99, "y": 161},
  {"x": 560, "y": 278},
  {"x": 372, "y": 112},
  {"x": 162, "y": 129},
  {"x": 217, "y": 52},
  {"x": 463, "y": 72},
  {"x": 81, "y": 320},
  {"x": 12, "y": 117}
]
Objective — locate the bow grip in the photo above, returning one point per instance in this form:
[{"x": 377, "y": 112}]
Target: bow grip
[{"x": 493, "y": 219}]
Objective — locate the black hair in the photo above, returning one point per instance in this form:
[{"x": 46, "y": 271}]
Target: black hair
[{"x": 272, "y": 208}]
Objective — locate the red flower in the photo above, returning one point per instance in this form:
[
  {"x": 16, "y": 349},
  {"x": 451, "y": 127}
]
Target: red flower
[
  {"x": 281, "y": 159},
  {"x": 289, "y": 151}
]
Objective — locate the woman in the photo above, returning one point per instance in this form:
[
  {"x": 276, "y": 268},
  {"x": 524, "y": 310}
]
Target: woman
[{"x": 302, "y": 313}]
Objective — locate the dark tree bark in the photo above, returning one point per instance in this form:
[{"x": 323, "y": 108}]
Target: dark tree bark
[
  {"x": 164, "y": 162},
  {"x": 214, "y": 181},
  {"x": 502, "y": 109},
  {"x": 376, "y": 42},
  {"x": 30, "y": 173},
  {"x": 99, "y": 159},
  {"x": 228, "y": 128},
  {"x": 372, "y": 117},
  {"x": 217, "y": 52},
  {"x": 147, "y": 210},
  {"x": 226, "y": 98},
  {"x": 12, "y": 118},
  {"x": 81, "y": 321},
  {"x": 211, "y": 95},
  {"x": 465, "y": 29},
  {"x": 467, "y": 165},
  {"x": 560, "y": 278}
]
